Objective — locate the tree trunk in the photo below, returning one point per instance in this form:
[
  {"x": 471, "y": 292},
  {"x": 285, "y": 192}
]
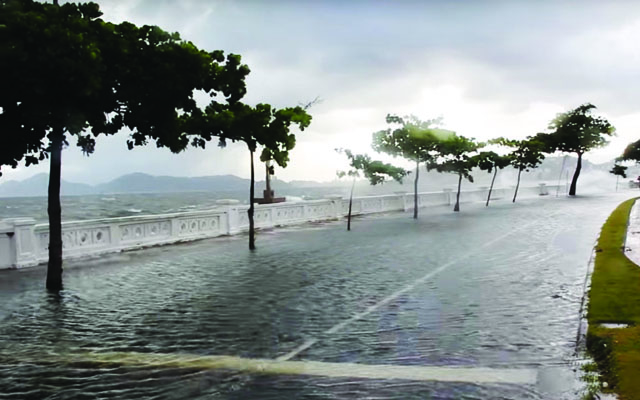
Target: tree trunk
[
  {"x": 54, "y": 268},
  {"x": 252, "y": 232},
  {"x": 415, "y": 191},
  {"x": 517, "y": 186},
  {"x": 456, "y": 208},
  {"x": 350, "y": 203},
  {"x": 495, "y": 172},
  {"x": 574, "y": 181}
]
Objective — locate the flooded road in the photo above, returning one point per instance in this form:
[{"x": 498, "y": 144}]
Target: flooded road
[{"x": 492, "y": 288}]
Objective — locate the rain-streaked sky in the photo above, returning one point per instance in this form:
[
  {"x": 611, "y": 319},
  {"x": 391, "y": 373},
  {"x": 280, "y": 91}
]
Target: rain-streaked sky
[{"x": 489, "y": 68}]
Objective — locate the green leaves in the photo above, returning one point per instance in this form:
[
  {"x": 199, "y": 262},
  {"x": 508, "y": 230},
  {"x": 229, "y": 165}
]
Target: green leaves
[
  {"x": 489, "y": 161},
  {"x": 374, "y": 170},
  {"x": 619, "y": 170},
  {"x": 455, "y": 155},
  {"x": 261, "y": 125},
  {"x": 53, "y": 76},
  {"x": 527, "y": 153},
  {"x": 64, "y": 69},
  {"x": 631, "y": 152},
  {"x": 578, "y": 131},
  {"x": 409, "y": 138}
]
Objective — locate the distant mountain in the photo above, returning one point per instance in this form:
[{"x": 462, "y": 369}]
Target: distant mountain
[
  {"x": 141, "y": 183},
  {"x": 549, "y": 171},
  {"x": 37, "y": 186}
]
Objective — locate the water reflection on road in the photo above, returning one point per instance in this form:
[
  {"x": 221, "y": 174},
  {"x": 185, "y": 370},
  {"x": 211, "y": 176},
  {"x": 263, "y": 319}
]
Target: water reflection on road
[{"x": 508, "y": 296}]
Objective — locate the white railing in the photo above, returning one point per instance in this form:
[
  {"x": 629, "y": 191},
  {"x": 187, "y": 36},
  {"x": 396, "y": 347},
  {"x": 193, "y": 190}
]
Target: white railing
[{"x": 24, "y": 243}]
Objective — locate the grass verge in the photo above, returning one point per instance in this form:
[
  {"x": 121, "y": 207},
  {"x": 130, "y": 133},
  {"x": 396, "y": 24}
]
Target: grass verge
[{"x": 614, "y": 297}]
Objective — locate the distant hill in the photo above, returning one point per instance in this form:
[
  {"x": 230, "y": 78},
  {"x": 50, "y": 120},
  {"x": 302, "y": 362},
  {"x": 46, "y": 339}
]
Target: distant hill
[
  {"x": 144, "y": 183},
  {"x": 548, "y": 171},
  {"x": 139, "y": 183},
  {"x": 37, "y": 186}
]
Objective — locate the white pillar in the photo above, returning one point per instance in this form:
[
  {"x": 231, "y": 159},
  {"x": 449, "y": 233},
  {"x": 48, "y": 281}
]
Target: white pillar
[
  {"x": 543, "y": 189},
  {"x": 24, "y": 242},
  {"x": 233, "y": 222},
  {"x": 7, "y": 247},
  {"x": 447, "y": 195}
]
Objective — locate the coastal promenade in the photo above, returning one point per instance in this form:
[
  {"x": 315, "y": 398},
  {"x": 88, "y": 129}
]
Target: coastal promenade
[{"x": 24, "y": 243}]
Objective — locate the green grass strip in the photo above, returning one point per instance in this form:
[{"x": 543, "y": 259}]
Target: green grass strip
[{"x": 614, "y": 297}]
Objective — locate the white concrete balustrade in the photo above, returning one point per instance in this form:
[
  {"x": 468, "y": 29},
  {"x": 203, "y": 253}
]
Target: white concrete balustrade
[{"x": 24, "y": 243}]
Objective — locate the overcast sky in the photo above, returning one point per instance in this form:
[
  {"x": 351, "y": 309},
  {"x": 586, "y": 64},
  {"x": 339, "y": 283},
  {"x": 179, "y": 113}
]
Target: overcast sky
[{"x": 489, "y": 68}]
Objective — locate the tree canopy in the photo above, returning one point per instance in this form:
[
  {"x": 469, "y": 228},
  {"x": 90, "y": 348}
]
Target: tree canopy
[
  {"x": 527, "y": 153},
  {"x": 408, "y": 137},
  {"x": 455, "y": 155},
  {"x": 491, "y": 161},
  {"x": 619, "y": 170},
  {"x": 578, "y": 131},
  {"x": 631, "y": 152},
  {"x": 66, "y": 71},
  {"x": 257, "y": 126},
  {"x": 373, "y": 170},
  {"x": 53, "y": 64}
]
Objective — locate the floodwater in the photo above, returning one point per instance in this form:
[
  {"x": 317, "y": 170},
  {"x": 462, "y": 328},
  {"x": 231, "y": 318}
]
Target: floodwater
[{"x": 498, "y": 287}]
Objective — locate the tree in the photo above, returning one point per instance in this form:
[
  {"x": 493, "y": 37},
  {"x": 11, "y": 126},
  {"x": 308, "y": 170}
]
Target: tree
[
  {"x": 631, "y": 152},
  {"x": 526, "y": 154},
  {"x": 455, "y": 155},
  {"x": 259, "y": 126},
  {"x": 68, "y": 73},
  {"x": 491, "y": 162},
  {"x": 375, "y": 171},
  {"x": 578, "y": 131},
  {"x": 53, "y": 85},
  {"x": 412, "y": 139},
  {"x": 619, "y": 171}
]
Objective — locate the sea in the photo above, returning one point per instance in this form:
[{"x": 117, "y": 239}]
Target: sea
[{"x": 86, "y": 207}]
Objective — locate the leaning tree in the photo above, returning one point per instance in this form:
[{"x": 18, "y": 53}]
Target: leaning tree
[
  {"x": 578, "y": 131},
  {"x": 377, "y": 172},
  {"x": 412, "y": 139},
  {"x": 66, "y": 72},
  {"x": 491, "y": 161},
  {"x": 526, "y": 154},
  {"x": 456, "y": 155},
  {"x": 260, "y": 127},
  {"x": 619, "y": 171},
  {"x": 630, "y": 153}
]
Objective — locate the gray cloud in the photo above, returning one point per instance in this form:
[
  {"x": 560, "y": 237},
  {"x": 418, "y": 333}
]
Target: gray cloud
[{"x": 366, "y": 59}]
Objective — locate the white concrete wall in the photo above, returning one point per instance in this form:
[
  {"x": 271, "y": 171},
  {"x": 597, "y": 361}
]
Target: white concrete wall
[
  {"x": 7, "y": 252},
  {"x": 24, "y": 243}
]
